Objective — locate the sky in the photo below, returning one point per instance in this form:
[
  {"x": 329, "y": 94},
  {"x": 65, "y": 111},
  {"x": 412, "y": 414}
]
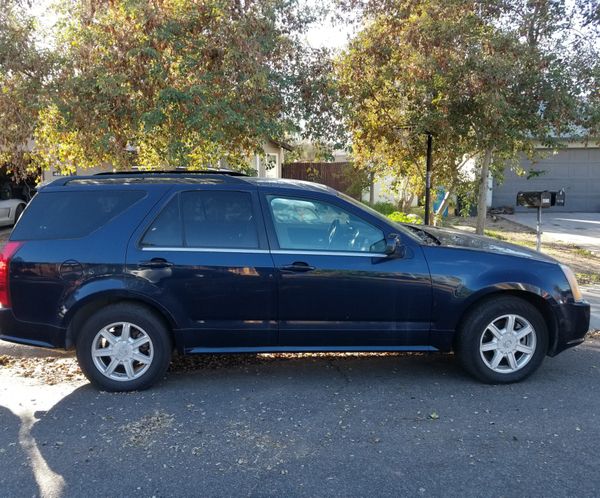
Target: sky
[{"x": 327, "y": 33}]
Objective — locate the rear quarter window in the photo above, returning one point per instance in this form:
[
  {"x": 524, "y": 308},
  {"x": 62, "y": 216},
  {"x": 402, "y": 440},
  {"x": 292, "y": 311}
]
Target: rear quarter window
[{"x": 69, "y": 215}]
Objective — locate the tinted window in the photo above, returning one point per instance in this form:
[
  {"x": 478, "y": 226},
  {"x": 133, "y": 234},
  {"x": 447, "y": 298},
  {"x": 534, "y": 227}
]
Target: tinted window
[
  {"x": 218, "y": 219},
  {"x": 67, "y": 215},
  {"x": 305, "y": 224},
  {"x": 205, "y": 219},
  {"x": 166, "y": 230}
]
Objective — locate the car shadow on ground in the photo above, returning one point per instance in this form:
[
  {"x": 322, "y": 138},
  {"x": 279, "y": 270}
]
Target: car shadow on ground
[
  {"x": 13, "y": 457},
  {"x": 306, "y": 425},
  {"x": 386, "y": 363}
]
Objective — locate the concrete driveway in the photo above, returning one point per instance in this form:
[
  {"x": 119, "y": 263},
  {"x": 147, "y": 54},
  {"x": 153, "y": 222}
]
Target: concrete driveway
[{"x": 581, "y": 229}]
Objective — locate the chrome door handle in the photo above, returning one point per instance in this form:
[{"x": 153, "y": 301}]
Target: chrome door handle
[
  {"x": 155, "y": 263},
  {"x": 297, "y": 267}
]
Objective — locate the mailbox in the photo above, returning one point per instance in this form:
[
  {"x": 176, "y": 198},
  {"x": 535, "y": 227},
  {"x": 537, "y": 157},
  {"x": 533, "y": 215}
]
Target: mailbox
[
  {"x": 534, "y": 199},
  {"x": 558, "y": 198},
  {"x": 539, "y": 200}
]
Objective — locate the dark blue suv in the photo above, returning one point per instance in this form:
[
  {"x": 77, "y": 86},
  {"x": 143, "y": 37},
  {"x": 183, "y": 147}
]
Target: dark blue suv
[{"x": 127, "y": 267}]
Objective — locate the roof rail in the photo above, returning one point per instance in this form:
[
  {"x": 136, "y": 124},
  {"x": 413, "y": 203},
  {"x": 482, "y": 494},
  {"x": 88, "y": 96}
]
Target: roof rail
[
  {"x": 215, "y": 171},
  {"x": 177, "y": 176}
]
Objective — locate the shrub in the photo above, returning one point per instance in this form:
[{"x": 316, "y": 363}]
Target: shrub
[
  {"x": 385, "y": 208},
  {"x": 400, "y": 217}
]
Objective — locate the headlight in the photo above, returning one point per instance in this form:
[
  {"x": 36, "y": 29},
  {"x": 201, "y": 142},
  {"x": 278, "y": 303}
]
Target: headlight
[{"x": 572, "y": 282}]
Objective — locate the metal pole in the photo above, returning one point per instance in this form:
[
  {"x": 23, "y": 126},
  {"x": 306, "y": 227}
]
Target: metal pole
[
  {"x": 428, "y": 177},
  {"x": 539, "y": 229}
]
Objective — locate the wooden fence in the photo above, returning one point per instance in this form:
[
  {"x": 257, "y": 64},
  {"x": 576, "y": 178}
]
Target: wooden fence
[{"x": 339, "y": 176}]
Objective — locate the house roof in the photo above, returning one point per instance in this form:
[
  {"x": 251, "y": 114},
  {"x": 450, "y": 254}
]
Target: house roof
[{"x": 283, "y": 145}]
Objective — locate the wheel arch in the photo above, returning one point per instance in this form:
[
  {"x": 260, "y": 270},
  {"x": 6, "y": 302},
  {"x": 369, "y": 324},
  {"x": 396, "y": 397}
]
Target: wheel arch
[
  {"x": 79, "y": 313},
  {"x": 536, "y": 300}
]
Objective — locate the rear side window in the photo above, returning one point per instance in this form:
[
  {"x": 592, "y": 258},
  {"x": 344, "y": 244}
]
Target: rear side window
[
  {"x": 70, "y": 215},
  {"x": 205, "y": 219},
  {"x": 166, "y": 229}
]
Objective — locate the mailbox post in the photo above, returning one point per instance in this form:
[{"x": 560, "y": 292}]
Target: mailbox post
[{"x": 540, "y": 200}]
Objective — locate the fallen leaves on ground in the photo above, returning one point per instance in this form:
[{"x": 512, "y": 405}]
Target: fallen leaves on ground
[
  {"x": 142, "y": 432},
  {"x": 53, "y": 370},
  {"x": 47, "y": 370}
]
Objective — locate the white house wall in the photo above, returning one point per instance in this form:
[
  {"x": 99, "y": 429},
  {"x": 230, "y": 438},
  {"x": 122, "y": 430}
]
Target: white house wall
[{"x": 383, "y": 191}]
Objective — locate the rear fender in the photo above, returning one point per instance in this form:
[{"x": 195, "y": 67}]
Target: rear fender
[{"x": 104, "y": 291}]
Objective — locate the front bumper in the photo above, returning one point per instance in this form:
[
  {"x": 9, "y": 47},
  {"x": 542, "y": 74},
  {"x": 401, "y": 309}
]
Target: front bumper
[
  {"x": 31, "y": 334},
  {"x": 573, "y": 323}
]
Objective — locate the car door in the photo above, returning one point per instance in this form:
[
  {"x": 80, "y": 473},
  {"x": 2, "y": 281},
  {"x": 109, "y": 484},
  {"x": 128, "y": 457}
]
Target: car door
[
  {"x": 205, "y": 258},
  {"x": 336, "y": 286}
]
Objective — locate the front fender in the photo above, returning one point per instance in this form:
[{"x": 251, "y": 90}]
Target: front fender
[
  {"x": 461, "y": 277},
  {"x": 549, "y": 297}
]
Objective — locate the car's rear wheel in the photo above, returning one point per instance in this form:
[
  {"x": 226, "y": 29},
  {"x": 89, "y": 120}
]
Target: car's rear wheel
[
  {"x": 502, "y": 340},
  {"x": 124, "y": 347}
]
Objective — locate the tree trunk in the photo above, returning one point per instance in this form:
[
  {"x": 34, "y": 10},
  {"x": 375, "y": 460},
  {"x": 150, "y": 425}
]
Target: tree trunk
[
  {"x": 483, "y": 191},
  {"x": 407, "y": 201},
  {"x": 372, "y": 189}
]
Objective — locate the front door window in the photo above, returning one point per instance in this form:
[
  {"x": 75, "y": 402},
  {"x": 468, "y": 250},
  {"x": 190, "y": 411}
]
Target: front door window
[{"x": 310, "y": 225}]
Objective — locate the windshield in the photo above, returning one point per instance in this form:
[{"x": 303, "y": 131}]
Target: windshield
[{"x": 401, "y": 228}]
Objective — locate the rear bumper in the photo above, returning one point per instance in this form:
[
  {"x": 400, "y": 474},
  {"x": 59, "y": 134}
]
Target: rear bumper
[
  {"x": 31, "y": 334},
  {"x": 573, "y": 323}
]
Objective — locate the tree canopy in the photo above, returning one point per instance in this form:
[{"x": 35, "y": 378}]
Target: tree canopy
[
  {"x": 488, "y": 79},
  {"x": 23, "y": 69},
  {"x": 183, "y": 83},
  {"x": 167, "y": 83}
]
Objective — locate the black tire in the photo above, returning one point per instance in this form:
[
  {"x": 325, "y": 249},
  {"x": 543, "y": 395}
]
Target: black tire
[
  {"x": 473, "y": 334},
  {"x": 143, "y": 321},
  {"x": 18, "y": 212}
]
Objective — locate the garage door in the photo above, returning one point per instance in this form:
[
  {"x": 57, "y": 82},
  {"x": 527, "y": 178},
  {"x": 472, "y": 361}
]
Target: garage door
[{"x": 575, "y": 170}]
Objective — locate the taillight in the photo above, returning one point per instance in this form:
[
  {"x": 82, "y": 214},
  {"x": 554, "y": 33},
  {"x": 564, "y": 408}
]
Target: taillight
[{"x": 5, "y": 256}]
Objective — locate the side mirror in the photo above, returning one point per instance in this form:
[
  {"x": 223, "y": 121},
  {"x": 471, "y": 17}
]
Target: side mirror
[{"x": 394, "y": 247}]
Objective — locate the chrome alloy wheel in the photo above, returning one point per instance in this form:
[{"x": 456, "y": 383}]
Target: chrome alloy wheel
[
  {"x": 508, "y": 344},
  {"x": 122, "y": 351}
]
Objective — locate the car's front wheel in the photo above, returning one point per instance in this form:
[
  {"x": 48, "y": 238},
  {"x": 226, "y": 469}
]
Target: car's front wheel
[
  {"x": 502, "y": 340},
  {"x": 123, "y": 347}
]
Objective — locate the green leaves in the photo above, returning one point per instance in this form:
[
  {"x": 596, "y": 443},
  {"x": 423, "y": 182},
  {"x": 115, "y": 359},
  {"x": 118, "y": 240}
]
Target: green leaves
[
  {"x": 479, "y": 75},
  {"x": 23, "y": 71},
  {"x": 182, "y": 83}
]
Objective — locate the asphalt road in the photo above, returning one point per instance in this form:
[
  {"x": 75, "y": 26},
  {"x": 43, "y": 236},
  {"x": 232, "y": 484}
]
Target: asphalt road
[{"x": 398, "y": 425}]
